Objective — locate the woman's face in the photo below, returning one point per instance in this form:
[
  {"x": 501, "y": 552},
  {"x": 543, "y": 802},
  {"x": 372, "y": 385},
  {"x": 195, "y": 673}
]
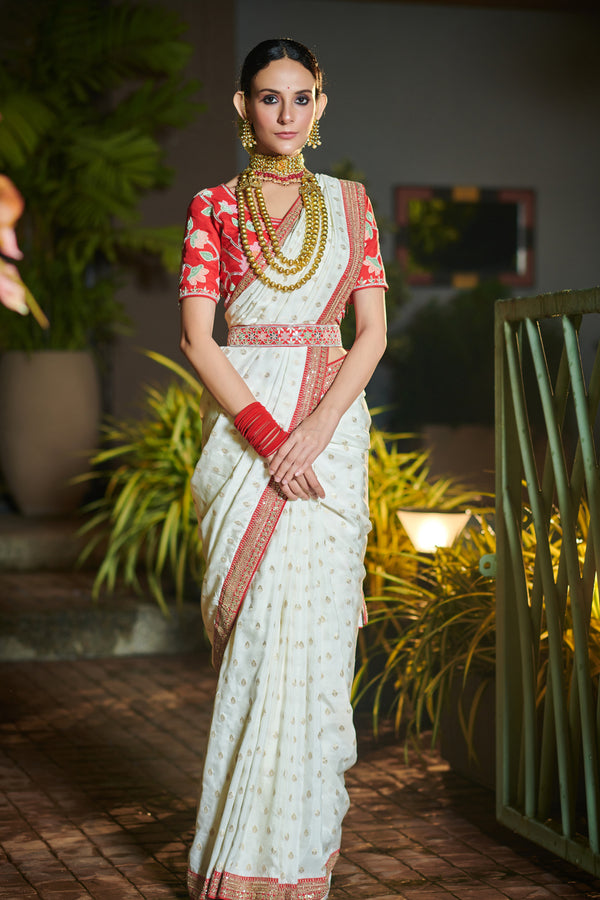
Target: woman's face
[{"x": 282, "y": 107}]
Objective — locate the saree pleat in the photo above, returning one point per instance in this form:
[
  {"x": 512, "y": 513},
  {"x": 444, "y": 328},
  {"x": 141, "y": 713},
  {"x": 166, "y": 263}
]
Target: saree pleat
[{"x": 282, "y": 597}]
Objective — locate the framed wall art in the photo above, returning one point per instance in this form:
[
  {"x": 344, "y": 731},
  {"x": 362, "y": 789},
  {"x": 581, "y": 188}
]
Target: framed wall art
[{"x": 460, "y": 236}]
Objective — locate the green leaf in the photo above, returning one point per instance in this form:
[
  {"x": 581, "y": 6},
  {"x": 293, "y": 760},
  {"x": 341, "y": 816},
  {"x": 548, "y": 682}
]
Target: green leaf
[{"x": 88, "y": 91}]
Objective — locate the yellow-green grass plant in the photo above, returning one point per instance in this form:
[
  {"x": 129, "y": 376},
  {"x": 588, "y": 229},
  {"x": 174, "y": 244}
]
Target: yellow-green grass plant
[
  {"x": 400, "y": 476},
  {"x": 146, "y": 518},
  {"x": 398, "y": 587},
  {"x": 425, "y": 637},
  {"x": 432, "y": 623}
]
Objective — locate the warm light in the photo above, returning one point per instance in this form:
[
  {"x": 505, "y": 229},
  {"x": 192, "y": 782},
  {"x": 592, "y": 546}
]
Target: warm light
[{"x": 429, "y": 529}]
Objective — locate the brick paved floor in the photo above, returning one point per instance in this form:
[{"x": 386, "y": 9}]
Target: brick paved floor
[{"x": 99, "y": 765}]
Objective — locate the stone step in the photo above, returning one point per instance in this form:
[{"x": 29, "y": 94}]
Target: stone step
[
  {"x": 47, "y": 611},
  {"x": 52, "y": 615},
  {"x": 33, "y": 544}
]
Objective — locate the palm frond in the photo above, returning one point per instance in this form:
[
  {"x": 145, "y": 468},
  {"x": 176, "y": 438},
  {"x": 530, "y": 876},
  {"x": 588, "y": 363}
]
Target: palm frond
[
  {"x": 26, "y": 120},
  {"x": 87, "y": 89}
]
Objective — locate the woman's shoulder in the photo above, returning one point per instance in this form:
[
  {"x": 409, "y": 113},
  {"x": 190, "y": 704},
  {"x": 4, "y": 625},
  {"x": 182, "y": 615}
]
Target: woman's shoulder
[
  {"x": 352, "y": 187},
  {"x": 213, "y": 199},
  {"x": 352, "y": 193}
]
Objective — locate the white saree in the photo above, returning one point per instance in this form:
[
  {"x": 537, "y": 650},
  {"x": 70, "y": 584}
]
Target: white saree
[{"x": 282, "y": 594}]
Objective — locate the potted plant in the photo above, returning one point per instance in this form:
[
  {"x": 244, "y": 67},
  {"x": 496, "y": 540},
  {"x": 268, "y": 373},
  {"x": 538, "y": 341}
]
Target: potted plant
[
  {"x": 145, "y": 520},
  {"x": 427, "y": 657},
  {"x": 427, "y": 615},
  {"x": 86, "y": 90}
]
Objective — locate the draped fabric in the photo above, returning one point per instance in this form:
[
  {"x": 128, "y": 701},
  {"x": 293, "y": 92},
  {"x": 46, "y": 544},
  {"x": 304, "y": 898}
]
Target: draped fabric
[{"x": 282, "y": 596}]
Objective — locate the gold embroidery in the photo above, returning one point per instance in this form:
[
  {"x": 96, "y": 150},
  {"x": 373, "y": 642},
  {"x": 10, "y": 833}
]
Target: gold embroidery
[
  {"x": 333, "y": 368},
  {"x": 276, "y": 335}
]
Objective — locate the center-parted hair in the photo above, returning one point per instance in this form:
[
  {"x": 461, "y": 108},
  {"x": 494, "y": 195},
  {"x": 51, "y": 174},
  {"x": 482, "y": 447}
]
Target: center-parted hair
[{"x": 278, "y": 48}]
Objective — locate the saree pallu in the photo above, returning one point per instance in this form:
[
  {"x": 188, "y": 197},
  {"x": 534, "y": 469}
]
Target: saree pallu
[{"x": 282, "y": 594}]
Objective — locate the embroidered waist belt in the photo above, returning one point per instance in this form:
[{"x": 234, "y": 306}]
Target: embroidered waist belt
[{"x": 284, "y": 335}]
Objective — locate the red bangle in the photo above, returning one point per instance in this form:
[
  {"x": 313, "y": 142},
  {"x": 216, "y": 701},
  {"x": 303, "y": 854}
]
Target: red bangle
[{"x": 260, "y": 429}]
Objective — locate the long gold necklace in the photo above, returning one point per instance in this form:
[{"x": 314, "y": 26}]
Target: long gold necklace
[{"x": 283, "y": 170}]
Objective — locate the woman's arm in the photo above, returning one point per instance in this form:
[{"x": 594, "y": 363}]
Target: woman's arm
[
  {"x": 311, "y": 437},
  {"x": 211, "y": 365},
  {"x": 224, "y": 382}
]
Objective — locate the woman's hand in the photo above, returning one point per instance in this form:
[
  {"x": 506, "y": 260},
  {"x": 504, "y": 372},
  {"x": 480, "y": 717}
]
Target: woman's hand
[
  {"x": 303, "y": 487},
  {"x": 296, "y": 456}
]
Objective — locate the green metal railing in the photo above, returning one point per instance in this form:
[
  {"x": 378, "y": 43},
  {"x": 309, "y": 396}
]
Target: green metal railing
[{"x": 548, "y": 553}]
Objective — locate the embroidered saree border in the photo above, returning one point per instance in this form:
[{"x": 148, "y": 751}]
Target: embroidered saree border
[
  {"x": 284, "y": 335},
  {"x": 245, "y": 562},
  {"x": 355, "y": 207},
  {"x": 240, "y": 887},
  {"x": 255, "y": 540}
]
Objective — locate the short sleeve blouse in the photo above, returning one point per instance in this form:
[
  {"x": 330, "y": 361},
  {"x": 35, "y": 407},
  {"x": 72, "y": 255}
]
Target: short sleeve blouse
[{"x": 213, "y": 262}]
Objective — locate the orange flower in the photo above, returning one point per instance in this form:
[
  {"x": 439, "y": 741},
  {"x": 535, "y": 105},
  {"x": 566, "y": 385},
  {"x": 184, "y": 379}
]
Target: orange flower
[
  {"x": 13, "y": 293},
  {"x": 11, "y": 208},
  {"x": 12, "y": 290}
]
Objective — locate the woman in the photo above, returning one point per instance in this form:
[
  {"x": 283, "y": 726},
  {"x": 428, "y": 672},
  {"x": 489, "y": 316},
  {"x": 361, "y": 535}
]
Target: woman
[{"x": 286, "y": 421}]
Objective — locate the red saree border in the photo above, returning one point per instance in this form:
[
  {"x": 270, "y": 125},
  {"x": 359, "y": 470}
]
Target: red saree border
[
  {"x": 261, "y": 527},
  {"x": 240, "y": 887},
  {"x": 248, "y": 555},
  {"x": 355, "y": 207},
  {"x": 313, "y": 378}
]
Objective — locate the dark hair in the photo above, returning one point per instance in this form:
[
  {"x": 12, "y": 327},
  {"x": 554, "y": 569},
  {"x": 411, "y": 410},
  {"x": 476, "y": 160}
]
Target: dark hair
[{"x": 278, "y": 48}]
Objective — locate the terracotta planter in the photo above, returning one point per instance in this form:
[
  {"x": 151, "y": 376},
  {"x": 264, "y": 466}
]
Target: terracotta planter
[{"x": 49, "y": 420}]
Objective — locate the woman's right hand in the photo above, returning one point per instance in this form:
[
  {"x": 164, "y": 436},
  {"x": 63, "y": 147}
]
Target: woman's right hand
[{"x": 303, "y": 487}]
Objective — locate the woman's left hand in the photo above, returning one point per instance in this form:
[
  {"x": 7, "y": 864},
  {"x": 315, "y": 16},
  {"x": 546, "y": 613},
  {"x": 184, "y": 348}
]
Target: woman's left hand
[{"x": 303, "y": 446}]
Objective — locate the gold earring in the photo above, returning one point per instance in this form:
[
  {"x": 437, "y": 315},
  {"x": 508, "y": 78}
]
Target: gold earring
[
  {"x": 246, "y": 133},
  {"x": 314, "y": 137}
]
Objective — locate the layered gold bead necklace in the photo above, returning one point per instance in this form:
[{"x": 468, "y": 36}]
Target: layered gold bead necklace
[{"x": 281, "y": 170}]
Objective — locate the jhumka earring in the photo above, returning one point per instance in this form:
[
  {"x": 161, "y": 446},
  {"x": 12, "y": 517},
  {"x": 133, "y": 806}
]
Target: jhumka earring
[
  {"x": 246, "y": 134},
  {"x": 314, "y": 137}
]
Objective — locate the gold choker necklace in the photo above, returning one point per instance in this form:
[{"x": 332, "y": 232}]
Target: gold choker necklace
[
  {"x": 249, "y": 193},
  {"x": 280, "y": 169}
]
